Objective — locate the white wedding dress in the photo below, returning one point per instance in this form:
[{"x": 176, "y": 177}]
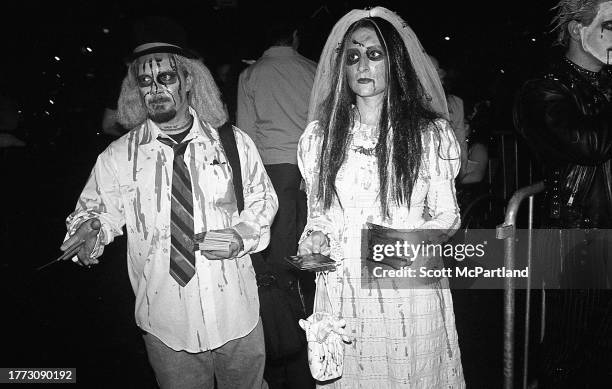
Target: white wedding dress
[{"x": 404, "y": 337}]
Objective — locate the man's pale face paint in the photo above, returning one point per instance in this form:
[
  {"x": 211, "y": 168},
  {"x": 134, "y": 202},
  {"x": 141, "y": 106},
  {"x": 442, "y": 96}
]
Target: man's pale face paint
[
  {"x": 366, "y": 63},
  {"x": 163, "y": 87},
  {"x": 597, "y": 37}
]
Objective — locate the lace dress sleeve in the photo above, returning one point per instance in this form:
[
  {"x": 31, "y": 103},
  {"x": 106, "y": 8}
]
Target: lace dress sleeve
[{"x": 309, "y": 150}]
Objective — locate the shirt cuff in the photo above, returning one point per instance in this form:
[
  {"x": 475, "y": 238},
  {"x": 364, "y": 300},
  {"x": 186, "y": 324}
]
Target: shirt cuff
[{"x": 250, "y": 238}]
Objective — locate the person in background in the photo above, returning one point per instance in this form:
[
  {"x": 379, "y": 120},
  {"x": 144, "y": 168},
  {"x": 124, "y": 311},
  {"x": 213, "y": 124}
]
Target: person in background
[
  {"x": 272, "y": 109},
  {"x": 477, "y": 140},
  {"x": 110, "y": 123},
  {"x": 566, "y": 117},
  {"x": 226, "y": 76},
  {"x": 9, "y": 121},
  {"x": 111, "y": 127},
  {"x": 12, "y": 154},
  {"x": 456, "y": 112},
  {"x": 167, "y": 180},
  {"x": 471, "y": 183},
  {"x": 473, "y": 143}
]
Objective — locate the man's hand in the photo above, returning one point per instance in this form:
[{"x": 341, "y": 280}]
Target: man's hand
[
  {"x": 236, "y": 245},
  {"x": 87, "y": 233},
  {"x": 315, "y": 243}
]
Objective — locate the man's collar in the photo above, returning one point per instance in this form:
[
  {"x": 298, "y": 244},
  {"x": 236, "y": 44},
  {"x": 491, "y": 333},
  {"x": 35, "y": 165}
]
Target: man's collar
[
  {"x": 200, "y": 131},
  {"x": 280, "y": 51}
]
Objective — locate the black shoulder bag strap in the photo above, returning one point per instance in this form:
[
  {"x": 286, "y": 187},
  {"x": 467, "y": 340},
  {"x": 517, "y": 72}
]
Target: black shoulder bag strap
[
  {"x": 228, "y": 140},
  {"x": 275, "y": 305}
]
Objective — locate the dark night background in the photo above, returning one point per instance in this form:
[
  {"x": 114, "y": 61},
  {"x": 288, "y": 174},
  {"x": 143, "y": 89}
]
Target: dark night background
[{"x": 66, "y": 316}]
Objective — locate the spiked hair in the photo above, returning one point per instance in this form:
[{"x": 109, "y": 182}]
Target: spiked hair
[
  {"x": 204, "y": 96},
  {"x": 582, "y": 11}
]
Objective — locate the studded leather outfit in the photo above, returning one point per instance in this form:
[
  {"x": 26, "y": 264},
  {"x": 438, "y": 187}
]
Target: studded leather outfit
[{"x": 566, "y": 117}]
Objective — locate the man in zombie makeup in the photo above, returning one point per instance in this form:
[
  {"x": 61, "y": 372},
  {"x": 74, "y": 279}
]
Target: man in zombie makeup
[
  {"x": 166, "y": 180},
  {"x": 566, "y": 117}
]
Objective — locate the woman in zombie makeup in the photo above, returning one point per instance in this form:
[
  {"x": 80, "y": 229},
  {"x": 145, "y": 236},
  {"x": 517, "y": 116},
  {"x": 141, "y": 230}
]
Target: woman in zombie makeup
[{"x": 379, "y": 150}]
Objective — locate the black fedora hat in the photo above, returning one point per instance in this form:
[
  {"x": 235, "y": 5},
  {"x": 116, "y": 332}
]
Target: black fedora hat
[{"x": 158, "y": 34}]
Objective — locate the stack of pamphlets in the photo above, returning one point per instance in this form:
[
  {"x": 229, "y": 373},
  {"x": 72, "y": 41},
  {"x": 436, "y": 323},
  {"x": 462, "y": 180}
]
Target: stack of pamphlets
[{"x": 216, "y": 241}]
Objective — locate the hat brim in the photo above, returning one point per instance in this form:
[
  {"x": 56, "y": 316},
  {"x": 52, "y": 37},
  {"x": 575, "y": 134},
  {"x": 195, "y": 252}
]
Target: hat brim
[{"x": 164, "y": 49}]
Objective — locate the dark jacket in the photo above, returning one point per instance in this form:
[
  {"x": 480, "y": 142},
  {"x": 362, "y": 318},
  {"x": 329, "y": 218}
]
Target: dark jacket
[{"x": 566, "y": 118}]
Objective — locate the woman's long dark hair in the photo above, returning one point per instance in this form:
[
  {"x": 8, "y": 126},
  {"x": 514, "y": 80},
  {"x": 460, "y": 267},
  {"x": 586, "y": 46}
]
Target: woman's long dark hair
[{"x": 405, "y": 110}]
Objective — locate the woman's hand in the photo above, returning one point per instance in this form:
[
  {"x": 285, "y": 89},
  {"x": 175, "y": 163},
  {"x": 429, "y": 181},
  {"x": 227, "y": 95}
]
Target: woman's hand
[{"x": 315, "y": 243}]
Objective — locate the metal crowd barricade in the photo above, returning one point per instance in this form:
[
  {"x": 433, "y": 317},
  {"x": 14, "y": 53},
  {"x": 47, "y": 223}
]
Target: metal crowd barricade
[
  {"x": 507, "y": 232},
  {"x": 512, "y": 172}
]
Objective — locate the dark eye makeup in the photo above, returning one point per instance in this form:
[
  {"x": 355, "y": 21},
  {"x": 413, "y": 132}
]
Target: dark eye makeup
[
  {"x": 144, "y": 81},
  {"x": 375, "y": 54},
  {"x": 354, "y": 55},
  {"x": 167, "y": 78}
]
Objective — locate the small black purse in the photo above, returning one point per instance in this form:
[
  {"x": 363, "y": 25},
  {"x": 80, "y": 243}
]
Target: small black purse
[{"x": 280, "y": 311}]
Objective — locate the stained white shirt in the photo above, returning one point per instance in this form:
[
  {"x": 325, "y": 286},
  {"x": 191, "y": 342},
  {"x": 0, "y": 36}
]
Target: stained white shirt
[{"x": 131, "y": 185}]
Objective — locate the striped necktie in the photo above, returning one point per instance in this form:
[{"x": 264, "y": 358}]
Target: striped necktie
[{"x": 182, "y": 255}]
